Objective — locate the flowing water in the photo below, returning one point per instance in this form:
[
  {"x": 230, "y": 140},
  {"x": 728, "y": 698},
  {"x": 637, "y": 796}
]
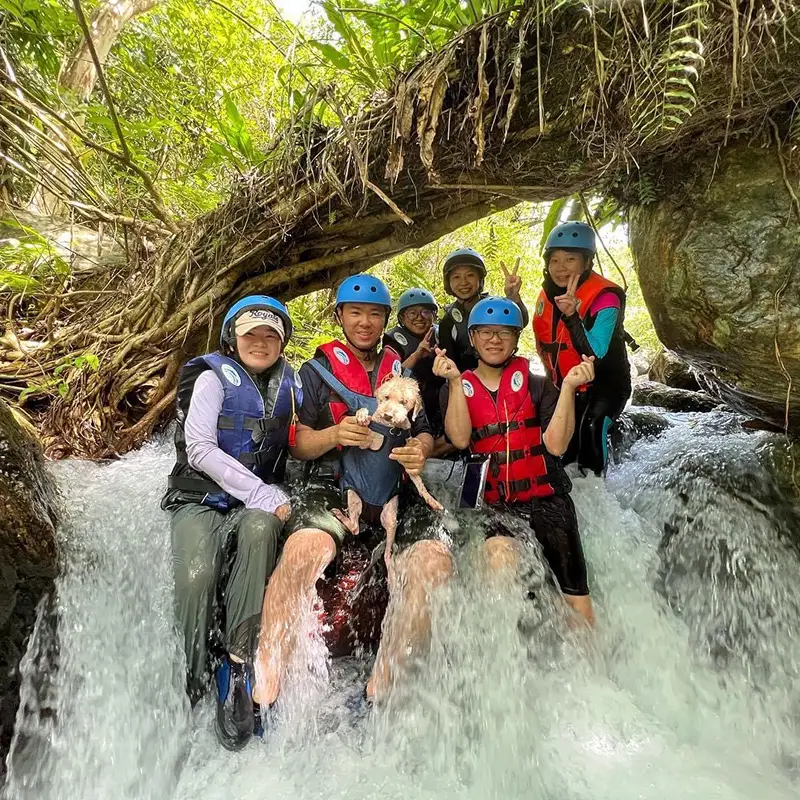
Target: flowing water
[{"x": 687, "y": 690}]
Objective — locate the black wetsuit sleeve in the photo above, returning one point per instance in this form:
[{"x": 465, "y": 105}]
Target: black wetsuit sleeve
[
  {"x": 578, "y": 335},
  {"x": 421, "y": 424},
  {"x": 525, "y": 316},
  {"x": 315, "y": 397},
  {"x": 446, "y": 341},
  {"x": 544, "y": 396},
  {"x": 444, "y": 399}
]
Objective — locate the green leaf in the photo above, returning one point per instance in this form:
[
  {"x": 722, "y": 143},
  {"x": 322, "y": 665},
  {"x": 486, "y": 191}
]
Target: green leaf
[
  {"x": 552, "y": 219},
  {"x": 331, "y": 54}
]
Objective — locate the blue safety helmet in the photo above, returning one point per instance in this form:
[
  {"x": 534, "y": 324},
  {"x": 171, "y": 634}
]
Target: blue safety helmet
[
  {"x": 250, "y": 303},
  {"x": 571, "y": 236},
  {"x": 495, "y": 311},
  {"x": 416, "y": 297},
  {"x": 463, "y": 257},
  {"x": 363, "y": 288}
]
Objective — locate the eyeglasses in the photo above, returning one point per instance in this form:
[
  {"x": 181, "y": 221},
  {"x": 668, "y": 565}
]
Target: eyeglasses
[
  {"x": 419, "y": 313},
  {"x": 485, "y": 335}
]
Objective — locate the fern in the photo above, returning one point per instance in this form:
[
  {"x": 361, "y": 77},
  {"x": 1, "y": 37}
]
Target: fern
[{"x": 669, "y": 96}]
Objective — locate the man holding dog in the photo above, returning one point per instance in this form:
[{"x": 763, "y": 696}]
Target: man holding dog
[{"x": 317, "y": 539}]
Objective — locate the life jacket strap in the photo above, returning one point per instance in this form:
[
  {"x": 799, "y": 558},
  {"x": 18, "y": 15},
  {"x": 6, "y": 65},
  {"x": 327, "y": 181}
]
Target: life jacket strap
[
  {"x": 503, "y": 457},
  {"x": 185, "y": 483},
  {"x": 501, "y": 428},
  {"x": 261, "y": 424}
]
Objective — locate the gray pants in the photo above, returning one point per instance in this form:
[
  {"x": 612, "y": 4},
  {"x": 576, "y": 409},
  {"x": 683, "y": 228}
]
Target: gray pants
[{"x": 201, "y": 542}]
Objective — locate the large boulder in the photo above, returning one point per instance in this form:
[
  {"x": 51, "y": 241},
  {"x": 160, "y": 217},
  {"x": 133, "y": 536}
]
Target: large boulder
[
  {"x": 28, "y": 555},
  {"x": 717, "y": 263},
  {"x": 651, "y": 393},
  {"x": 671, "y": 370}
]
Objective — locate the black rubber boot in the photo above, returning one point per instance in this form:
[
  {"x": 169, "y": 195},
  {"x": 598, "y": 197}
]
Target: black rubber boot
[{"x": 235, "y": 720}]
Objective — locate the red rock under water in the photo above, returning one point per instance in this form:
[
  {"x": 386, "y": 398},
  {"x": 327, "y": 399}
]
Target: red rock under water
[{"x": 351, "y": 623}]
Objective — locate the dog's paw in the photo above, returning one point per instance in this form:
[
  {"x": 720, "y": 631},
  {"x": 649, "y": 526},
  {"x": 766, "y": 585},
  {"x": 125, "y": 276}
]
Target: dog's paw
[{"x": 362, "y": 417}]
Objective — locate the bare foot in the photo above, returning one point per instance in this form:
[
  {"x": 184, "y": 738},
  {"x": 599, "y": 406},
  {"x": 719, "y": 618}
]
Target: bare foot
[{"x": 349, "y": 523}]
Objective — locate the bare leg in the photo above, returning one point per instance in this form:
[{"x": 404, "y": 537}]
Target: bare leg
[
  {"x": 582, "y": 604},
  {"x": 502, "y": 556},
  {"x": 350, "y": 520},
  {"x": 425, "y": 494},
  {"x": 305, "y": 556},
  {"x": 407, "y": 627},
  {"x": 389, "y": 523}
]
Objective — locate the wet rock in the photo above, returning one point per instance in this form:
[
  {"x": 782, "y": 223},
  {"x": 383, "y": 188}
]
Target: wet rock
[
  {"x": 632, "y": 425},
  {"x": 671, "y": 370},
  {"x": 640, "y": 362},
  {"x": 28, "y": 555},
  {"x": 712, "y": 256},
  {"x": 650, "y": 393}
]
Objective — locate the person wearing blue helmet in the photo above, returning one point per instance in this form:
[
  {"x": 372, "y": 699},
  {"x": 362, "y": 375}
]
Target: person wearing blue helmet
[
  {"x": 319, "y": 546},
  {"x": 414, "y": 338},
  {"x": 236, "y": 413},
  {"x": 522, "y": 424},
  {"x": 464, "y": 274},
  {"x": 581, "y": 313}
]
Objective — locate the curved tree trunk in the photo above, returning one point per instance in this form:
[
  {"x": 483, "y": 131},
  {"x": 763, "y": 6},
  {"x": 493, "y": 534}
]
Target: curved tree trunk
[
  {"x": 534, "y": 107},
  {"x": 76, "y": 82}
]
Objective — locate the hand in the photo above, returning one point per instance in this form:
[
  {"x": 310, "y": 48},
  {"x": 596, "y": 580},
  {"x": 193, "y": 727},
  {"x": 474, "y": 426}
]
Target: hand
[
  {"x": 580, "y": 374},
  {"x": 567, "y": 303},
  {"x": 411, "y": 456},
  {"x": 513, "y": 283},
  {"x": 283, "y": 512},
  {"x": 443, "y": 367},
  {"x": 424, "y": 348},
  {"x": 350, "y": 433}
]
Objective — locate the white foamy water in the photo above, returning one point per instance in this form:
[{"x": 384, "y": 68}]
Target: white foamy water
[{"x": 687, "y": 690}]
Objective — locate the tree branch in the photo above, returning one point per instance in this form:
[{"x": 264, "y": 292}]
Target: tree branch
[{"x": 163, "y": 214}]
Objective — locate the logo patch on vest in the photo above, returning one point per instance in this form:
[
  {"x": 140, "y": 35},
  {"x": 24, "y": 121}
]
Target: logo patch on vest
[
  {"x": 468, "y": 390},
  {"x": 540, "y": 308},
  {"x": 516, "y": 381},
  {"x": 457, "y": 316},
  {"x": 454, "y": 333},
  {"x": 231, "y": 374},
  {"x": 401, "y": 339},
  {"x": 341, "y": 355},
  {"x": 397, "y": 368}
]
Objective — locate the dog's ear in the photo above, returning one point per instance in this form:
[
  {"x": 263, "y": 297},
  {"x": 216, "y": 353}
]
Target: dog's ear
[{"x": 417, "y": 407}]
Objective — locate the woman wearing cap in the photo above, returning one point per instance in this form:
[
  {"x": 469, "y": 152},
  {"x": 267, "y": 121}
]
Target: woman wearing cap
[
  {"x": 522, "y": 423},
  {"x": 318, "y": 543},
  {"x": 414, "y": 338},
  {"x": 463, "y": 275},
  {"x": 580, "y": 313},
  {"x": 236, "y": 416}
]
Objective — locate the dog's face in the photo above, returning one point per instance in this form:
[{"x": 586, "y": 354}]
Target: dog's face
[{"x": 399, "y": 401}]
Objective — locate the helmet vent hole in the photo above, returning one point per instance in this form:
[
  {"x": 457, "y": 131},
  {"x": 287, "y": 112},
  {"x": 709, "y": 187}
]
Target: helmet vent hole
[
  {"x": 373, "y": 289},
  {"x": 357, "y": 287},
  {"x": 505, "y": 311}
]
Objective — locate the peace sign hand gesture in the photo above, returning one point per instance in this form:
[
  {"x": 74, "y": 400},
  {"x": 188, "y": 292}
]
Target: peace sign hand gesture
[
  {"x": 513, "y": 283},
  {"x": 567, "y": 303}
]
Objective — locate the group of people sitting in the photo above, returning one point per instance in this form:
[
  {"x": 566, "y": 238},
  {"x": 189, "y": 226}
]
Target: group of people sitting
[{"x": 249, "y": 549}]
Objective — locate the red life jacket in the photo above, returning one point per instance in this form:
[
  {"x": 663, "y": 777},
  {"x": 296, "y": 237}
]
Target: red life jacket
[
  {"x": 508, "y": 429},
  {"x": 552, "y": 337},
  {"x": 349, "y": 370}
]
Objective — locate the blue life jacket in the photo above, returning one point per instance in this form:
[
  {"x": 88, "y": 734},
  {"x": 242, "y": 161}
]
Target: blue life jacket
[
  {"x": 253, "y": 426},
  {"x": 371, "y": 474}
]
